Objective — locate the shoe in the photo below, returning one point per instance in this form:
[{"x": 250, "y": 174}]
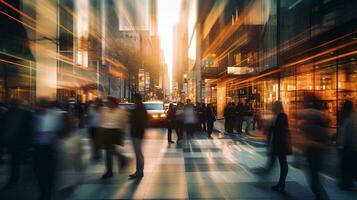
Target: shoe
[
  {"x": 107, "y": 175},
  {"x": 136, "y": 176},
  {"x": 171, "y": 142},
  {"x": 278, "y": 188}
]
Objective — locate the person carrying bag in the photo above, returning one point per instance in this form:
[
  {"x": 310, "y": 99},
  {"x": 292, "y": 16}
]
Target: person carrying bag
[{"x": 111, "y": 133}]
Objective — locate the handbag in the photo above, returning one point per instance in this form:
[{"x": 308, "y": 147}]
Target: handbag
[{"x": 105, "y": 137}]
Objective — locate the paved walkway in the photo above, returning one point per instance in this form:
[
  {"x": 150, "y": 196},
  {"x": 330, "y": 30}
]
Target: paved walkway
[{"x": 223, "y": 168}]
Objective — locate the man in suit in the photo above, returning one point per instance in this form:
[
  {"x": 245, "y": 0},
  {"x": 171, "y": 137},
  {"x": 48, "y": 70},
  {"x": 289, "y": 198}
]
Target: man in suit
[{"x": 138, "y": 123}]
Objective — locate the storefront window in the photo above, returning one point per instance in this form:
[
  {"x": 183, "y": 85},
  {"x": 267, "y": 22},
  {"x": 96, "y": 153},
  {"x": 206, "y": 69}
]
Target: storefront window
[
  {"x": 347, "y": 83},
  {"x": 288, "y": 90},
  {"x": 325, "y": 87},
  {"x": 268, "y": 91},
  {"x": 304, "y": 82}
]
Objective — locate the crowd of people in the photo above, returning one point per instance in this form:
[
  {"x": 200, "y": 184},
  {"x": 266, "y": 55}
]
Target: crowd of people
[
  {"x": 189, "y": 118},
  {"x": 236, "y": 115},
  {"x": 35, "y": 131},
  {"x": 313, "y": 124},
  {"x": 33, "y": 134}
]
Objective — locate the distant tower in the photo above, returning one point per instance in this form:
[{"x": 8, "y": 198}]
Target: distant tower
[{"x": 153, "y": 18}]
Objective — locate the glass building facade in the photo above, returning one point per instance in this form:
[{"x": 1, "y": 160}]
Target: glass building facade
[{"x": 294, "y": 48}]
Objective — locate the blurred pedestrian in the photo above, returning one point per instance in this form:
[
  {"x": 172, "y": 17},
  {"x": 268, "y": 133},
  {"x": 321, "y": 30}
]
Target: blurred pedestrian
[
  {"x": 171, "y": 118},
  {"x": 257, "y": 119},
  {"x": 314, "y": 127},
  {"x": 201, "y": 116},
  {"x": 211, "y": 118},
  {"x": 189, "y": 119},
  {"x": 348, "y": 140},
  {"x": 248, "y": 116},
  {"x": 239, "y": 117},
  {"x": 280, "y": 143},
  {"x": 179, "y": 122},
  {"x": 112, "y": 125},
  {"x": 50, "y": 124},
  {"x": 138, "y": 123},
  {"x": 18, "y": 131},
  {"x": 225, "y": 112},
  {"x": 93, "y": 124},
  {"x": 230, "y": 117}
]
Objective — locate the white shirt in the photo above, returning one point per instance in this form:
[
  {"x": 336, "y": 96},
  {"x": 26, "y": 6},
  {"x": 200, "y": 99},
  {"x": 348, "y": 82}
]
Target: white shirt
[
  {"x": 113, "y": 118},
  {"x": 189, "y": 115},
  {"x": 48, "y": 124}
]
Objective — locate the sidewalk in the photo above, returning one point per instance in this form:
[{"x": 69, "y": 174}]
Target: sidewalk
[
  {"x": 254, "y": 135},
  {"x": 331, "y": 158}
]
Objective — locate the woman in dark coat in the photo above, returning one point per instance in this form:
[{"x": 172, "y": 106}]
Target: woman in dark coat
[
  {"x": 280, "y": 145},
  {"x": 210, "y": 119},
  {"x": 171, "y": 118}
]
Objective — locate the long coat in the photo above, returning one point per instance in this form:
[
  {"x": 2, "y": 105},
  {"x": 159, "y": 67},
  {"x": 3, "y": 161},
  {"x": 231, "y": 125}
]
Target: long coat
[
  {"x": 138, "y": 121},
  {"x": 281, "y": 138}
]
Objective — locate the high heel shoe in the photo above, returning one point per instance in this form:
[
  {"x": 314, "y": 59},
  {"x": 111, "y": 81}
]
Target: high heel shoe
[{"x": 278, "y": 188}]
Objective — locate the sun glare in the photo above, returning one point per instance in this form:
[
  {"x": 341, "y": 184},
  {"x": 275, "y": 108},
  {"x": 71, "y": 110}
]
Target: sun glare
[{"x": 168, "y": 14}]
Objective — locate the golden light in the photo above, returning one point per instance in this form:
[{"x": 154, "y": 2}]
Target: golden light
[{"x": 168, "y": 15}]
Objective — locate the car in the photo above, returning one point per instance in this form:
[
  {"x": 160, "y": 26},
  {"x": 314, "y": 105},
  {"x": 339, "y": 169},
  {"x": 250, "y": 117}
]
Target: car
[{"x": 156, "y": 112}]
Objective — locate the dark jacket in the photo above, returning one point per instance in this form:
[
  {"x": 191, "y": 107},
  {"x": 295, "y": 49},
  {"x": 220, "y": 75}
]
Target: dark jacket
[
  {"x": 18, "y": 127},
  {"x": 229, "y": 111},
  {"x": 248, "y": 110},
  {"x": 171, "y": 117},
  {"x": 138, "y": 121},
  {"x": 240, "y": 110},
  {"x": 281, "y": 139},
  {"x": 210, "y": 116},
  {"x": 171, "y": 114}
]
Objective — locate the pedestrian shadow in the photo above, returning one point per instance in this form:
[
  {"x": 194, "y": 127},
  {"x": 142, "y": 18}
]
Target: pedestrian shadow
[
  {"x": 293, "y": 190},
  {"x": 125, "y": 190},
  {"x": 202, "y": 171}
]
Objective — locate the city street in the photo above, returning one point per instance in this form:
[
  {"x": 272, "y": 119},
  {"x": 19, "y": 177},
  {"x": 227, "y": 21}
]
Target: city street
[
  {"x": 227, "y": 167},
  {"x": 266, "y": 78}
]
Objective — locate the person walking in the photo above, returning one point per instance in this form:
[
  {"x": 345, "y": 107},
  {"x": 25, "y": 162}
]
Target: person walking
[
  {"x": 225, "y": 115},
  {"x": 314, "y": 128},
  {"x": 348, "y": 140},
  {"x": 248, "y": 116},
  {"x": 171, "y": 115},
  {"x": 239, "y": 117},
  {"x": 51, "y": 124},
  {"x": 202, "y": 117},
  {"x": 179, "y": 122},
  {"x": 113, "y": 123},
  {"x": 190, "y": 118},
  {"x": 211, "y": 118},
  {"x": 230, "y": 117},
  {"x": 280, "y": 143},
  {"x": 93, "y": 122},
  {"x": 257, "y": 119},
  {"x": 138, "y": 123},
  {"x": 18, "y": 132}
]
